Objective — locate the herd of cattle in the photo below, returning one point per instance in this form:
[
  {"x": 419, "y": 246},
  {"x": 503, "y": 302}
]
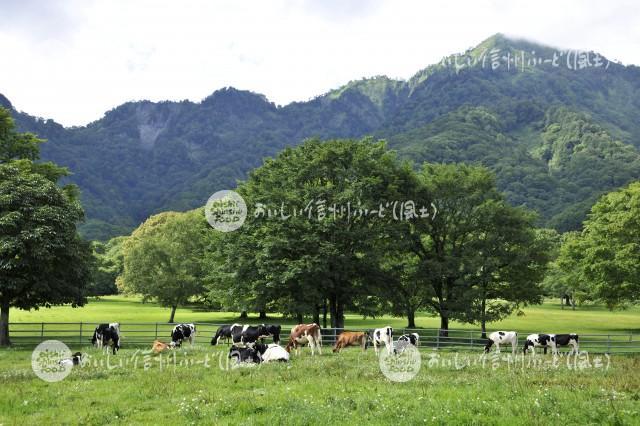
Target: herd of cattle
[{"x": 248, "y": 340}]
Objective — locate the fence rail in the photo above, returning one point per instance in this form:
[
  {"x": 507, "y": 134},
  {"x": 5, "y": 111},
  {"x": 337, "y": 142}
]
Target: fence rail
[{"x": 143, "y": 334}]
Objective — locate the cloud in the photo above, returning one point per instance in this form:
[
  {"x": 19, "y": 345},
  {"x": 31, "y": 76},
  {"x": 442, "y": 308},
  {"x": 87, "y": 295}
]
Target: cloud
[{"x": 73, "y": 60}]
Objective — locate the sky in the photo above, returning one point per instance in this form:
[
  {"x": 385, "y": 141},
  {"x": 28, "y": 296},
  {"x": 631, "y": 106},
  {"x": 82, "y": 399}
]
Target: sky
[{"x": 73, "y": 60}]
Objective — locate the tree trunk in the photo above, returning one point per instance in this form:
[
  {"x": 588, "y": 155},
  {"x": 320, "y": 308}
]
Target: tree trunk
[
  {"x": 332, "y": 311},
  {"x": 483, "y": 318},
  {"x": 299, "y": 318},
  {"x": 262, "y": 315},
  {"x": 324, "y": 313},
  {"x": 173, "y": 312},
  {"x": 243, "y": 315},
  {"x": 411, "y": 318},
  {"x": 4, "y": 324},
  {"x": 339, "y": 315},
  {"x": 316, "y": 314},
  {"x": 444, "y": 325},
  {"x": 562, "y": 303}
]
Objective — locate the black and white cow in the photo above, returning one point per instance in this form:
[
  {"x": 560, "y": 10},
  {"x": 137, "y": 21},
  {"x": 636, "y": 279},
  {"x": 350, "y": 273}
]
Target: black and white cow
[
  {"x": 76, "y": 359},
  {"x": 273, "y": 330},
  {"x": 538, "y": 340},
  {"x": 551, "y": 341},
  {"x": 383, "y": 335},
  {"x": 244, "y": 354},
  {"x": 183, "y": 332},
  {"x": 249, "y": 334},
  {"x": 225, "y": 332},
  {"x": 106, "y": 335},
  {"x": 502, "y": 338},
  {"x": 570, "y": 339},
  {"x": 407, "y": 339}
]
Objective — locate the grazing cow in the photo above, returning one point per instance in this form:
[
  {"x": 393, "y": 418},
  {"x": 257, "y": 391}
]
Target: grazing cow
[
  {"x": 271, "y": 352},
  {"x": 407, "y": 339},
  {"x": 225, "y": 332},
  {"x": 383, "y": 335},
  {"x": 106, "y": 335},
  {"x": 273, "y": 330},
  {"x": 502, "y": 338},
  {"x": 566, "y": 340},
  {"x": 352, "y": 338},
  {"x": 303, "y": 334},
  {"x": 76, "y": 359},
  {"x": 249, "y": 334},
  {"x": 539, "y": 340},
  {"x": 159, "y": 346},
  {"x": 183, "y": 332},
  {"x": 244, "y": 354}
]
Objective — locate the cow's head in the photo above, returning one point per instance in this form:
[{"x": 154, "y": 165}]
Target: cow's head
[{"x": 487, "y": 347}]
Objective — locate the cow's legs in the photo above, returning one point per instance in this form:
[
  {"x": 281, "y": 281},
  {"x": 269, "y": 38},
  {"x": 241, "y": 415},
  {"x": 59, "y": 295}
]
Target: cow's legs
[
  {"x": 497, "y": 347},
  {"x": 375, "y": 346}
]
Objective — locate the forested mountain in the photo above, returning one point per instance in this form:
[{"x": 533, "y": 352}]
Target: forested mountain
[{"x": 559, "y": 128}]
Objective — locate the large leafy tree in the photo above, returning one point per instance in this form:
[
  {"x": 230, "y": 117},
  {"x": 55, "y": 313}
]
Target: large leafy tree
[
  {"x": 605, "y": 258},
  {"x": 297, "y": 263},
  {"x": 43, "y": 261},
  {"x": 163, "y": 258},
  {"x": 475, "y": 250}
]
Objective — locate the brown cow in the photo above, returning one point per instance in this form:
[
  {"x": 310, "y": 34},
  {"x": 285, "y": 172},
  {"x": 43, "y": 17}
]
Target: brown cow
[
  {"x": 352, "y": 338},
  {"x": 159, "y": 346},
  {"x": 302, "y": 334}
]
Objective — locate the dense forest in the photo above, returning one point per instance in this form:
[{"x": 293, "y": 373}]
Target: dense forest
[{"x": 556, "y": 137}]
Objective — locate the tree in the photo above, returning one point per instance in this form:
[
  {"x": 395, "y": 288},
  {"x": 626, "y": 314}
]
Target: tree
[
  {"x": 163, "y": 258},
  {"x": 509, "y": 266},
  {"x": 297, "y": 263},
  {"x": 109, "y": 264},
  {"x": 475, "y": 250},
  {"x": 43, "y": 262},
  {"x": 606, "y": 255}
]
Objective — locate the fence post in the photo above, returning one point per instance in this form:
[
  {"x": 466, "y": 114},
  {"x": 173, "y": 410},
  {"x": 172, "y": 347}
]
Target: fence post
[
  {"x": 608, "y": 343},
  {"x": 156, "y": 331},
  {"x": 81, "y": 332},
  {"x": 41, "y": 331},
  {"x": 471, "y": 339},
  {"x": 438, "y": 339}
]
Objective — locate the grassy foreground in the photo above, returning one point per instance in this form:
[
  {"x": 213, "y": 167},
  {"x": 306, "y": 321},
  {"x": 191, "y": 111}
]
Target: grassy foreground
[
  {"x": 345, "y": 388},
  {"x": 547, "y": 317}
]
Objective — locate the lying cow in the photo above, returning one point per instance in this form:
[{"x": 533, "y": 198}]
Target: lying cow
[
  {"x": 258, "y": 353},
  {"x": 352, "y": 338},
  {"x": 182, "y": 332},
  {"x": 303, "y": 334},
  {"x": 106, "y": 335},
  {"x": 159, "y": 346},
  {"x": 502, "y": 338},
  {"x": 225, "y": 332},
  {"x": 383, "y": 335},
  {"x": 405, "y": 340},
  {"x": 272, "y": 352},
  {"x": 76, "y": 359},
  {"x": 244, "y": 354}
]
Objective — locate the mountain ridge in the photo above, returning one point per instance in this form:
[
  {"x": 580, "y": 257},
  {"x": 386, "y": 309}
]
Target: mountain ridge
[{"x": 143, "y": 157}]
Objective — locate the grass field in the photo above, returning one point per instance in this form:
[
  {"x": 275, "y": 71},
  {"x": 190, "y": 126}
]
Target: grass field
[
  {"x": 345, "y": 388},
  {"x": 348, "y": 388},
  {"x": 549, "y": 316}
]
